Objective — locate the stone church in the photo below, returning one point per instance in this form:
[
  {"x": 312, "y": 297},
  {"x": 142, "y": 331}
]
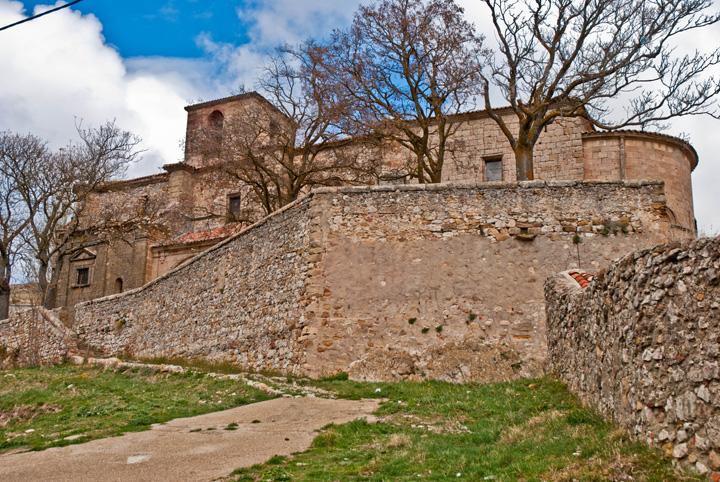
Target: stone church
[{"x": 200, "y": 205}]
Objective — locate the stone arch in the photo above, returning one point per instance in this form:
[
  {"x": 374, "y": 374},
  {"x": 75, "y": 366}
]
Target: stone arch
[{"x": 216, "y": 120}]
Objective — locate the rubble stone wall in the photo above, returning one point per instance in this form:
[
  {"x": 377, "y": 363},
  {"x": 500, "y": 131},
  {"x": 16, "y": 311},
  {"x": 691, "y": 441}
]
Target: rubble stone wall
[
  {"x": 446, "y": 282},
  {"x": 238, "y": 301},
  {"x": 642, "y": 344},
  {"x": 417, "y": 281},
  {"x": 34, "y": 336}
]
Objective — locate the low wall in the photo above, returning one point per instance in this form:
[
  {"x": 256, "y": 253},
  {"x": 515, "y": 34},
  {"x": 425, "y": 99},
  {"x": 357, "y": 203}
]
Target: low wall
[
  {"x": 642, "y": 343},
  {"x": 439, "y": 281},
  {"x": 34, "y": 336}
]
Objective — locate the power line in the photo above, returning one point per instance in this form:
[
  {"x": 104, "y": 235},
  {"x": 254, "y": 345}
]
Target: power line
[{"x": 48, "y": 12}]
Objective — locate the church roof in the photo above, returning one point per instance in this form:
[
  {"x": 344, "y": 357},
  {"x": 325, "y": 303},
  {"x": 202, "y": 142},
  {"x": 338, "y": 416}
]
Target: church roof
[{"x": 199, "y": 237}]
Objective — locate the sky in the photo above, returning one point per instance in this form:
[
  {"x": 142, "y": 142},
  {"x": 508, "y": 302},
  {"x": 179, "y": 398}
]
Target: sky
[{"x": 141, "y": 61}]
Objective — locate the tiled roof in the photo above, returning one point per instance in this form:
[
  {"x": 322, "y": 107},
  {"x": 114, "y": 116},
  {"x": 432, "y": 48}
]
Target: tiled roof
[
  {"x": 232, "y": 98},
  {"x": 217, "y": 233},
  {"x": 137, "y": 181},
  {"x": 582, "y": 278}
]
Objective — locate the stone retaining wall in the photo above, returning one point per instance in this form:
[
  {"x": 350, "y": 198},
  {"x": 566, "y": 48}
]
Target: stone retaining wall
[
  {"x": 239, "y": 301},
  {"x": 438, "y": 281},
  {"x": 642, "y": 343},
  {"x": 34, "y": 336}
]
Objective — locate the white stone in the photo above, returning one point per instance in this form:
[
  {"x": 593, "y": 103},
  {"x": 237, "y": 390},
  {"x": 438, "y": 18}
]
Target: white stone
[
  {"x": 703, "y": 393},
  {"x": 680, "y": 451},
  {"x": 138, "y": 459}
]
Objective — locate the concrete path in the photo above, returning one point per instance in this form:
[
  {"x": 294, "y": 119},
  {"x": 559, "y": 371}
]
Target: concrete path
[{"x": 176, "y": 451}]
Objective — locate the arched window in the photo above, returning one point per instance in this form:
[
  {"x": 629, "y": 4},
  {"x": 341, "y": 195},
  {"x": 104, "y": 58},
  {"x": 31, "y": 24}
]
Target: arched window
[
  {"x": 119, "y": 285},
  {"x": 216, "y": 121}
]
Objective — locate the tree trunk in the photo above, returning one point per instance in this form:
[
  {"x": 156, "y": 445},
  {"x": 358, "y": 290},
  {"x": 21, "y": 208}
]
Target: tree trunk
[
  {"x": 4, "y": 299},
  {"x": 47, "y": 287},
  {"x": 524, "y": 162}
]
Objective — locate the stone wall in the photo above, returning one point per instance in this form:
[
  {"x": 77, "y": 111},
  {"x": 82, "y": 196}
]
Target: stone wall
[
  {"x": 625, "y": 154},
  {"x": 421, "y": 281},
  {"x": 642, "y": 343},
  {"x": 446, "y": 281},
  {"x": 239, "y": 301},
  {"x": 558, "y": 152},
  {"x": 34, "y": 336}
]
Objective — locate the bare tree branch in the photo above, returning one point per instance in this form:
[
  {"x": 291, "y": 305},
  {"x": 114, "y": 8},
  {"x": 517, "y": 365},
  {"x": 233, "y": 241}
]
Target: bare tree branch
[
  {"x": 408, "y": 66},
  {"x": 573, "y": 57}
]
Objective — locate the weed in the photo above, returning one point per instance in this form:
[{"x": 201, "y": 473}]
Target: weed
[
  {"x": 439, "y": 328},
  {"x": 412, "y": 321},
  {"x": 339, "y": 376},
  {"x": 120, "y": 323},
  {"x": 425, "y": 330},
  {"x": 276, "y": 460}
]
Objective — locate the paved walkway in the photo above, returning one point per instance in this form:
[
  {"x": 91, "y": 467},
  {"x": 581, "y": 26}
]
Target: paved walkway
[{"x": 176, "y": 451}]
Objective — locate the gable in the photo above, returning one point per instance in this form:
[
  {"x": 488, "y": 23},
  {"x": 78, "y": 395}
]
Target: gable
[{"x": 84, "y": 254}]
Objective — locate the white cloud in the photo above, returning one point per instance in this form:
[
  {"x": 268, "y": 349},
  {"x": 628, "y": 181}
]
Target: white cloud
[
  {"x": 277, "y": 21},
  {"x": 271, "y": 23},
  {"x": 702, "y": 131},
  {"x": 62, "y": 67}
]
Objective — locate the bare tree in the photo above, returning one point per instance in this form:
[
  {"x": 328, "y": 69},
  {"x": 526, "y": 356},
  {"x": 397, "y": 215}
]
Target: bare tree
[
  {"x": 565, "y": 58},
  {"x": 290, "y": 140},
  {"x": 20, "y": 157},
  {"x": 60, "y": 185},
  {"x": 409, "y": 66}
]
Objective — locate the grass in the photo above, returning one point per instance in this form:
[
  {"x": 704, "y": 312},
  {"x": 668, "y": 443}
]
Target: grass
[
  {"x": 529, "y": 430},
  {"x": 526, "y": 430},
  {"x": 40, "y": 407}
]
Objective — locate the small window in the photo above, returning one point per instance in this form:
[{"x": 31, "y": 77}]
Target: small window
[
  {"x": 234, "y": 207},
  {"x": 82, "y": 276},
  {"x": 217, "y": 119},
  {"x": 493, "y": 168}
]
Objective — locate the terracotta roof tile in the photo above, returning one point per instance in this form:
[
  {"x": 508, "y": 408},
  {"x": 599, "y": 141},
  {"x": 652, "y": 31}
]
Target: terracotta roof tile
[
  {"x": 582, "y": 278},
  {"x": 216, "y": 233}
]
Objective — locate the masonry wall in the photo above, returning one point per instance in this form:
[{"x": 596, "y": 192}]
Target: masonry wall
[
  {"x": 642, "y": 343},
  {"x": 32, "y": 337},
  {"x": 446, "y": 282},
  {"x": 558, "y": 152},
  {"x": 240, "y": 301},
  {"x": 423, "y": 281},
  {"x": 642, "y": 155}
]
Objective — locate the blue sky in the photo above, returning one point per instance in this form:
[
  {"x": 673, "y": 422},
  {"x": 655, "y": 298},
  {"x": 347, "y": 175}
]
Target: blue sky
[{"x": 166, "y": 28}]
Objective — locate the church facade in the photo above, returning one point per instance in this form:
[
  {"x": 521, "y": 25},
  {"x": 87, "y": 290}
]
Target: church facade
[{"x": 195, "y": 204}]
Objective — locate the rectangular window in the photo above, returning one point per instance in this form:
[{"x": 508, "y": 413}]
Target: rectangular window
[
  {"x": 83, "y": 276},
  {"x": 234, "y": 207},
  {"x": 493, "y": 168}
]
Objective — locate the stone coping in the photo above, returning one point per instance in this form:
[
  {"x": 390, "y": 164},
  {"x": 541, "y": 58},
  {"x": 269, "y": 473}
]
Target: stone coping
[
  {"x": 347, "y": 190},
  {"x": 134, "y": 182}
]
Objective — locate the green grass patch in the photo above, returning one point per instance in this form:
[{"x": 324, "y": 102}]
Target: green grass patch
[
  {"x": 337, "y": 377},
  {"x": 529, "y": 430},
  {"x": 48, "y": 407}
]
